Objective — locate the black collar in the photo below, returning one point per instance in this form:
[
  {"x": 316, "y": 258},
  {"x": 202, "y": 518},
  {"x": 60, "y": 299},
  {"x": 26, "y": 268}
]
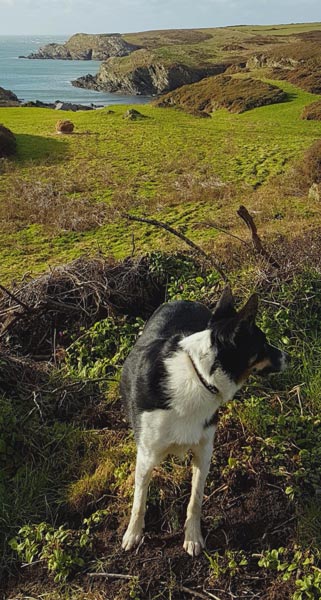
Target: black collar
[{"x": 211, "y": 388}]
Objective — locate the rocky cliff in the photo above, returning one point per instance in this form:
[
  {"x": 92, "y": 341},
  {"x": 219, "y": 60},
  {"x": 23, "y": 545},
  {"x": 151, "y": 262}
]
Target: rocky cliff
[
  {"x": 82, "y": 46},
  {"x": 148, "y": 77}
]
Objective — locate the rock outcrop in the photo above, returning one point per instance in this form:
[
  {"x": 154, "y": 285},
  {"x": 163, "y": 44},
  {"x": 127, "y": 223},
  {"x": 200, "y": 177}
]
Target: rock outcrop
[
  {"x": 260, "y": 61},
  {"x": 146, "y": 76},
  {"x": 83, "y": 46},
  {"x": 8, "y": 98}
]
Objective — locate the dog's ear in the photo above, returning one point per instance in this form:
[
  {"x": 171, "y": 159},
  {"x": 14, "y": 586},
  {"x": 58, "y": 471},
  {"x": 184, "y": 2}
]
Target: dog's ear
[
  {"x": 249, "y": 311},
  {"x": 224, "y": 309}
]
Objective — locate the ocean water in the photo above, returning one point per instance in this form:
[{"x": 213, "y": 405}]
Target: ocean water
[{"x": 49, "y": 80}]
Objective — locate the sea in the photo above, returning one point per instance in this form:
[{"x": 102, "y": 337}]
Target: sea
[{"x": 50, "y": 80}]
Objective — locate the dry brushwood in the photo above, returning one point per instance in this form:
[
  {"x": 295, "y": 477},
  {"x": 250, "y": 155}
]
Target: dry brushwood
[{"x": 35, "y": 316}]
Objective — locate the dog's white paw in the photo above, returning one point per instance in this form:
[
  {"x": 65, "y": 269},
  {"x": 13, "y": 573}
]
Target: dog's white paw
[
  {"x": 194, "y": 542},
  {"x": 132, "y": 538},
  {"x": 193, "y": 548}
]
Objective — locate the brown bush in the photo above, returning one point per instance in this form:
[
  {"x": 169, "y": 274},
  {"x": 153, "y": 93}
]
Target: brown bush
[
  {"x": 222, "y": 91},
  {"x": 311, "y": 164},
  {"x": 312, "y": 112},
  {"x": 7, "y": 142}
]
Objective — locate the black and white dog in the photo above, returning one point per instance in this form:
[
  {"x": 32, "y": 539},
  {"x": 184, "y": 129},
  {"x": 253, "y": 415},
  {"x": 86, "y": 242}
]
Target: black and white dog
[{"x": 186, "y": 364}]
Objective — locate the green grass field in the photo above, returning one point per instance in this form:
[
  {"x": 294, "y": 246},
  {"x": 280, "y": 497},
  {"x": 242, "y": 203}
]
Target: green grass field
[{"x": 170, "y": 165}]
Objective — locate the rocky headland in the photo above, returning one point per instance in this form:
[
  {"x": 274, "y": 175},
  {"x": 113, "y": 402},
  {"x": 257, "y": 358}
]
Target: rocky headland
[
  {"x": 8, "y": 98},
  {"x": 146, "y": 75},
  {"x": 83, "y": 46},
  {"x": 158, "y": 62}
]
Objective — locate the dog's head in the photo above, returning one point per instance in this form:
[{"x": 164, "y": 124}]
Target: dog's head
[{"x": 242, "y": 348}]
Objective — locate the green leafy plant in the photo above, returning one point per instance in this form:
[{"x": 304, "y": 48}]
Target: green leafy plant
[
  {"x": 101, "y": 348},
  {"x": 62, "y": 550}
]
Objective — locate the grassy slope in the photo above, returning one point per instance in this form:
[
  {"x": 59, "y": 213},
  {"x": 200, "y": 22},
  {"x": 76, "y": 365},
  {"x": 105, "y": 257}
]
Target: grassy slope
[
  {"x": 125, "y": 164},
  {"x": 180, "y": 45}
]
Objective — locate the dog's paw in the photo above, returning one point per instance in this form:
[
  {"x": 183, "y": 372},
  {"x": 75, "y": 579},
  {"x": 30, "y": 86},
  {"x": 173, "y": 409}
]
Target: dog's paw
[
  {"x": 193, "y": 548},
  {"x": 194, "y": 542},
  {"x": 131, "y": 538}
]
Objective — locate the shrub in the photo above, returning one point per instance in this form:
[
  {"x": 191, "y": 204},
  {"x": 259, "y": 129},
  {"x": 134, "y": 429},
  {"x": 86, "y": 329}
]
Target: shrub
[
  {"x": 311, "y": 164},
  {"x": 7, "y": 142},
  {"x": 312, "y": 112}
]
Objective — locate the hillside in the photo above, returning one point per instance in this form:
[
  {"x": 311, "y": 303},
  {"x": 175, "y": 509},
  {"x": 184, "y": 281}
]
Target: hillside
[
  {"x": 155, "y": 62},
  {"x": 78, "y": 281},
  {"x": 234, "y": 93}
]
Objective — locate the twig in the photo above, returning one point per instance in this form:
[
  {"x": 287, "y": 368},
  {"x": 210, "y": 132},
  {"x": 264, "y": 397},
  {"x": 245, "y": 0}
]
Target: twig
[
  {"x": 214, "y": 226},
  {"x": 197, "y": 594},
  {"x": 112, "y": 575},
  {"x": 181, "y": 236},
  {"x": 14, "y": 297},
  {"x": 249, "y": 221}
]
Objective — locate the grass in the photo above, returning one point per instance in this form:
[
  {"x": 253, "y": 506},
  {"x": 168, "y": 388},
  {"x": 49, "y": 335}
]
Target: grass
[{"x": 131, "y": 166}]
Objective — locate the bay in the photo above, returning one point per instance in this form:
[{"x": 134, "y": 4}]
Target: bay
[{"x": 50, "y": 80}]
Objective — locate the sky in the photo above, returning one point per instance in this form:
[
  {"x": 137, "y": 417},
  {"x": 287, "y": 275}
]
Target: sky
[{"x": 37, "y": 17}]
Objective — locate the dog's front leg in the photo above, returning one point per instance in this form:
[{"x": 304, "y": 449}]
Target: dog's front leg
[
  {"x": 201, "y": 463},
  {"x": 145, "y": 463}
]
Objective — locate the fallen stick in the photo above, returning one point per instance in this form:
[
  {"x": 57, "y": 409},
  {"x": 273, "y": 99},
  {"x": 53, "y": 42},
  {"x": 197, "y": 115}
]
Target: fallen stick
[
  {"x": 181, "y": 236},
  {"x": 197, "y": 594},
  {"x": 112, "y": 575}
]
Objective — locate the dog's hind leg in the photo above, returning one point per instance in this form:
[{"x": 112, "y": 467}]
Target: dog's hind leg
[
  {"x": 202, "y": 453},
  {"x": 145, "y": 463}
]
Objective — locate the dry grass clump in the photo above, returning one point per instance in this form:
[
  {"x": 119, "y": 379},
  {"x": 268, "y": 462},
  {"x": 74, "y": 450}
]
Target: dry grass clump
[
  {"x": 7, "y": 142},
  {"x": 223, "y": 91},
  {"x": 49, "y": 204},
  {"x": 312, "y": 112},
  {"x": 310, "y": 166},
  {"x": 64, "y": 126}
]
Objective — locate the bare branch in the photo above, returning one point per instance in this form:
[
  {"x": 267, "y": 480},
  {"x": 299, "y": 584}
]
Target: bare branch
[
  {"x": 256, "y": 240},
  {"x": 15, "y": 298},
  {"x": 181, "y": 236}
]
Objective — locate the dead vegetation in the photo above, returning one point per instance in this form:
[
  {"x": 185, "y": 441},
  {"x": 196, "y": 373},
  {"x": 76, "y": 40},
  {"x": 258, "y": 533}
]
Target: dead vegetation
[
  {"x": 312, "y": 112},
  {"x": 222, "y": 91},
  {"x": 7, "y": 142},
  {"x": 51, "y": 204}
]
